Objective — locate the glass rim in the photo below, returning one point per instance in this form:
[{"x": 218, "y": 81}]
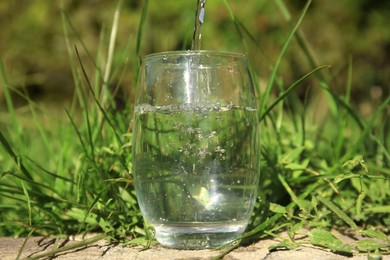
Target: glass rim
[{"x": 216, "y": 53}]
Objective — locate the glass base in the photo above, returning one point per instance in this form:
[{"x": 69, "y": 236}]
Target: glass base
[{"x": 199, "y": 235}]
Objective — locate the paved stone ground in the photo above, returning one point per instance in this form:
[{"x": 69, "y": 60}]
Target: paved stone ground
[{"x": 10, "y": 247}]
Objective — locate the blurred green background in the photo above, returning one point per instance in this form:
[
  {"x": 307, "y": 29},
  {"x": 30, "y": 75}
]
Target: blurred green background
[{"x": 35, "y": 57}]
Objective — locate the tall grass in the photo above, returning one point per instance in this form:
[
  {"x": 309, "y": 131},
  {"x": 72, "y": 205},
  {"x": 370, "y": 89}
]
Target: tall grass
[{"x": 73, "y": 176}]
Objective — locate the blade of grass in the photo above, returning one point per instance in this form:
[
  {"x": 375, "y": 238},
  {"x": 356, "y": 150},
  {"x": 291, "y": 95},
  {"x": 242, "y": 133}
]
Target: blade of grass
[
  {"x": 289, "y": 190},
  {"x": 66, "y": 22},
  {"x": 8, "y": 100},
  {"x": 50, "y": 173},
  {"x": 236, "y": 24},
  {"x": 367, "y": 129},
  {"x": 241, "y": 29},
  {"x": 379, "y": 209},
  {"x": 375, "y": 168},
  {"x": 103, "y": 112},
  {"x": 139, "y": 38},
  {"x": 110, "y": 55},
  {"x": 16, "y": 190},
  {"x": 120, "y": 72},
  {"x": 141, "y": 27},
  {"x": 188, "y": 37},
  {"x": 34, "y": 184},
  {"x": 81, "y": 140},
  {"x": 300, "y": 37},
  {"x": 348, "y": 90},
  {"x": 33, "y": 109},
  {"x": 99, "y": 60},
  {"x": 359, "y": 202},
  {"x": 15, "y": 158},
  {"x": 100, "y": 106},
  {"x": 287, "y": 91},
  {"x": 73, "y": 67},
  {"x": 15, "y": 198},
  {"x": 305, "y": 47},
  {"x": 330, "y": 205},
  {"x": 271, "y": 81},
  {"x": 93, "y": 204},
  {"x": 28, "y": 204},
  {"x": 89, "y": 134},
  {"x": 342, "y": 117},
  {"x": 277, "y": 216},
  {"x": 303, "y": 119},
  {"x": 24, "y": 244},
  {"x": 44, "y": 135},
  {"x": 230, "y": 248},
  {"x": 384, "y": 150},
  {"x": 38, "y": 204},
  {"x": 75, "y": 245}
]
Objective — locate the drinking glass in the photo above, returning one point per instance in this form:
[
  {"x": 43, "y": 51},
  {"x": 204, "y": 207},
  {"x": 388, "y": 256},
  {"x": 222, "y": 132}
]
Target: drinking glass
[{"x": 196, "y": 147}]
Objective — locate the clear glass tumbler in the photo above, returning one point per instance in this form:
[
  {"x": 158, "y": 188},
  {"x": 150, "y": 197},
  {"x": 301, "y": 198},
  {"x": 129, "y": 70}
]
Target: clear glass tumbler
[{"x": 196, "y": 147}]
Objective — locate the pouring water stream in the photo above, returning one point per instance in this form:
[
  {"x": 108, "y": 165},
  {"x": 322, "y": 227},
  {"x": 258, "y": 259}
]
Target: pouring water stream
[{"x": 199, "y": 18}]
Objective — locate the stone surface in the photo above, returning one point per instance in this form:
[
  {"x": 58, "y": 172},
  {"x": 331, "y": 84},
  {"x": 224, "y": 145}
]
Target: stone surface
[{"x": 10, "y": 248}]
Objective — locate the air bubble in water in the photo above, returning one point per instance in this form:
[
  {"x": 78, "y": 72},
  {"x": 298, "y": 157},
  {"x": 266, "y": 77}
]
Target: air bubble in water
[{"x": 216, "y": 107}]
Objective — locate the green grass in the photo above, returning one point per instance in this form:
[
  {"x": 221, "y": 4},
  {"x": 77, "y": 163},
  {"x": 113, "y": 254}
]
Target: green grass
[{"x": 72, "y": 174}]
